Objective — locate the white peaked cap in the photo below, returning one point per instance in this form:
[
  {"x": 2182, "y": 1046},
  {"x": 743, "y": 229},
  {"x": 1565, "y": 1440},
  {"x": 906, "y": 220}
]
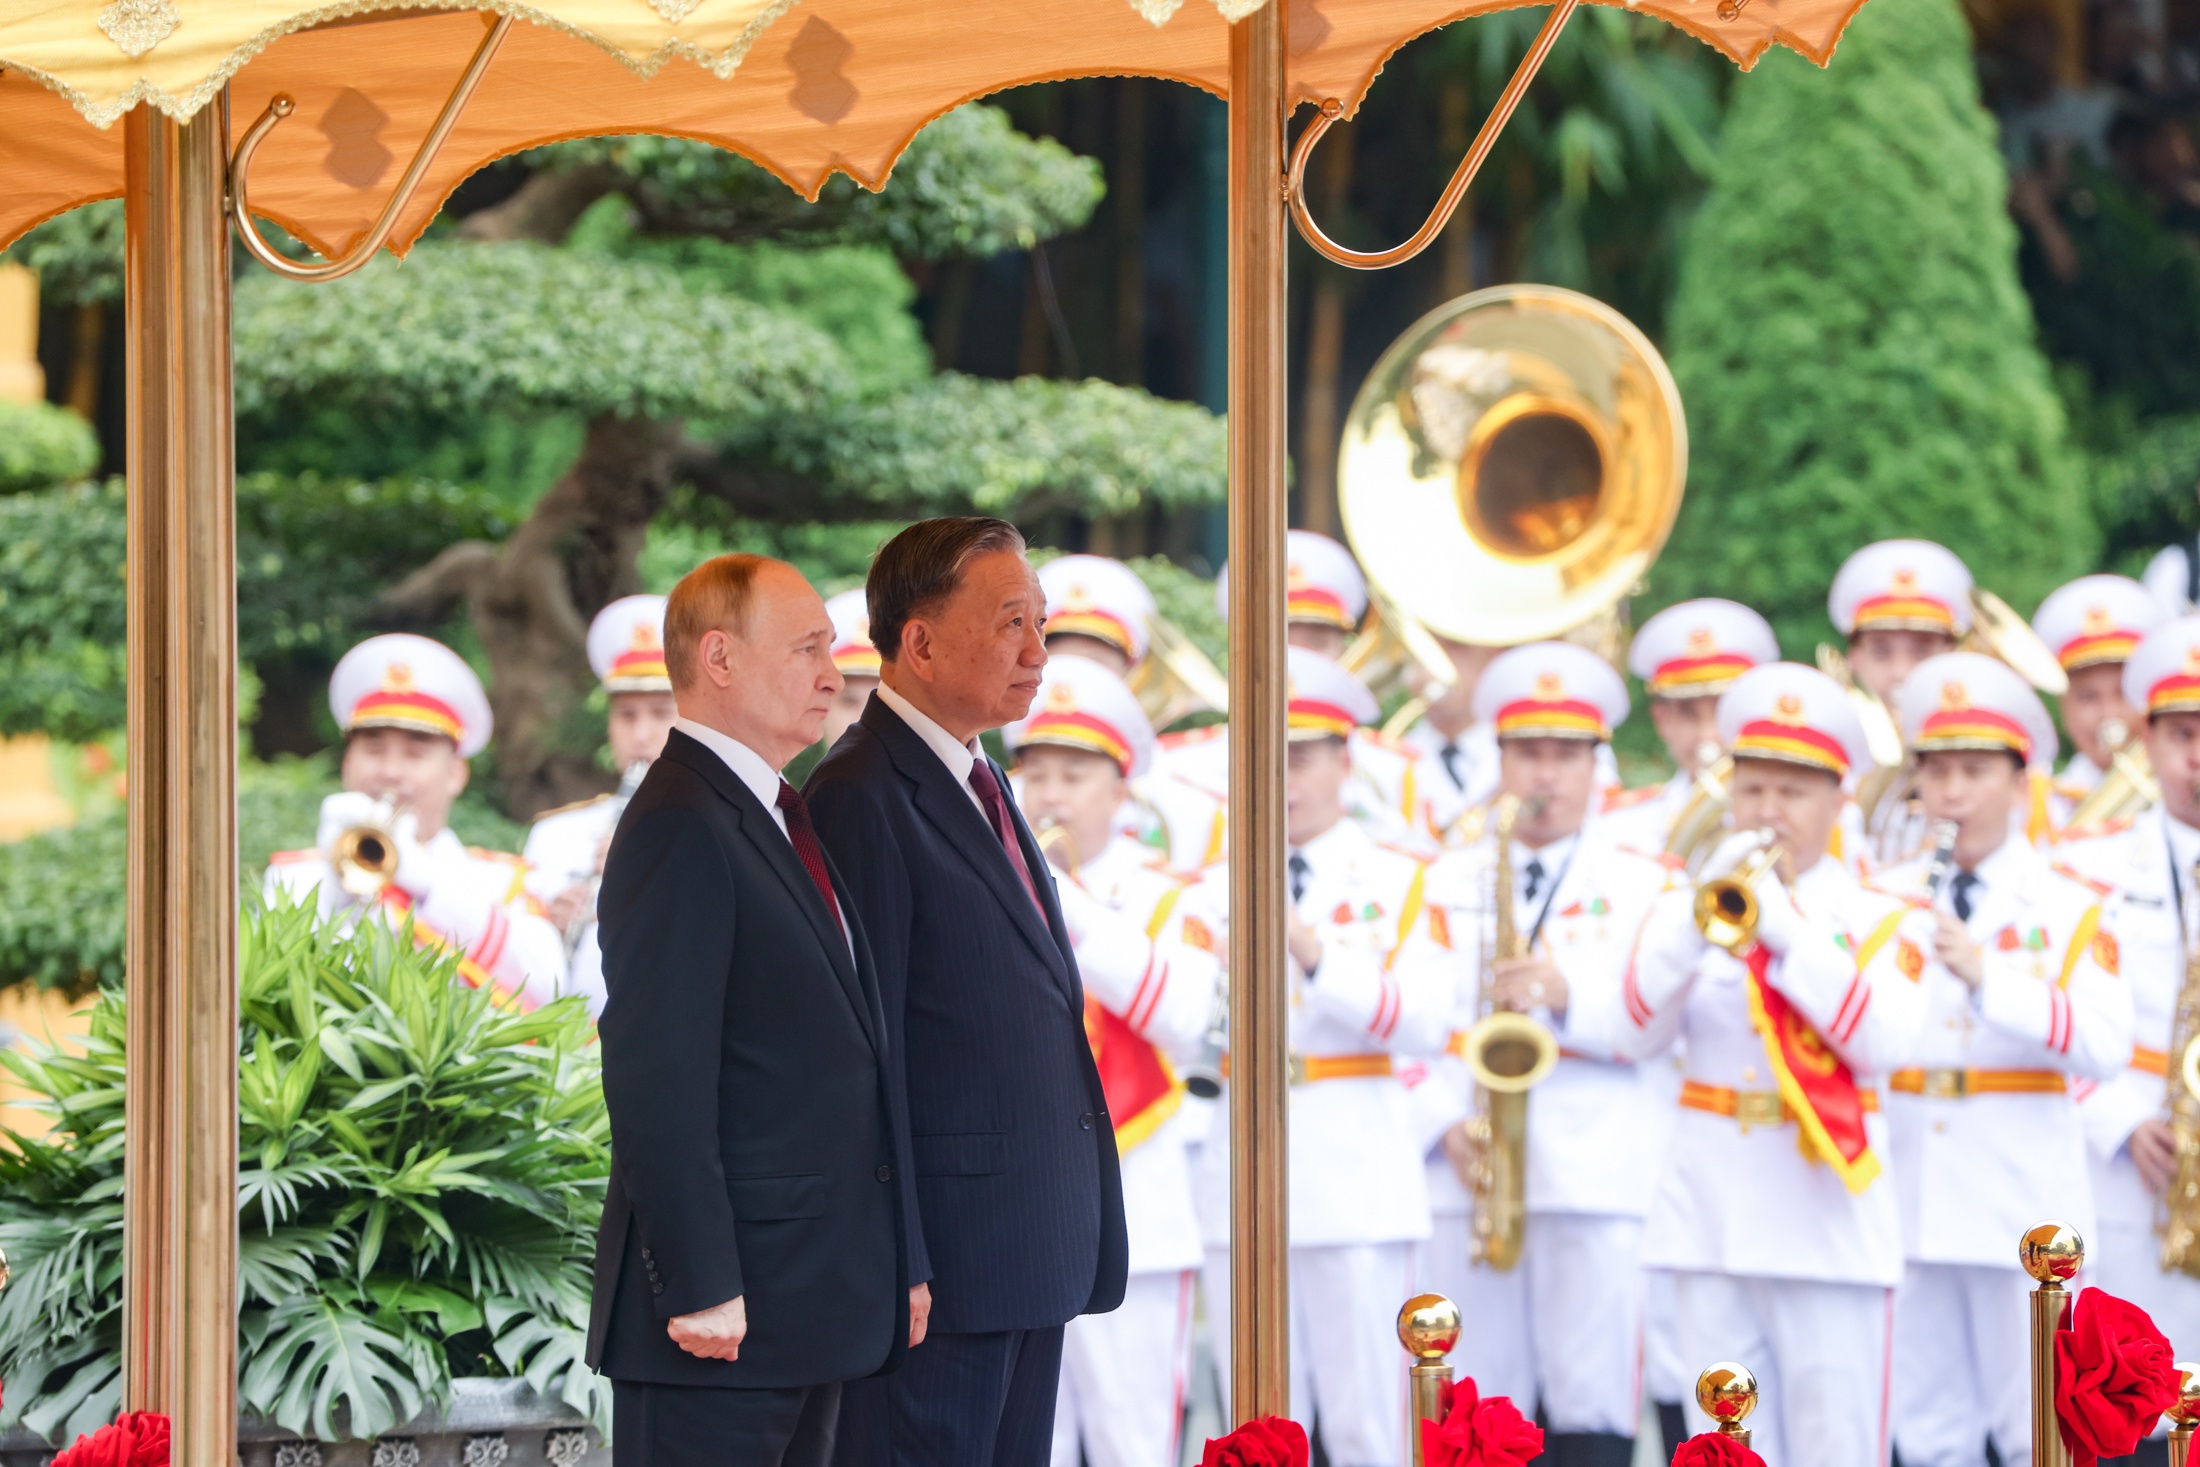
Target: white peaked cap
[
  {"x": 1901, "y": 584},
  {"x": 1082, "y": 705},
  {"x": 2097, "y": 619},
  {"x": 1967, "y": 700},
  {"x": 2163, "y": 675},
  {"x": 1323, "y": 700},
  {"x": 1697, "y": 648},
  {"x": 853, "y": 653},
  {"x": 403, "y": 681},
  {"x": 1322, "y": 583},
  {"x": 1093, "y": 596},
  {"x": 1796, "y": 715},
  {"x": 626, "y": 646},
  {"x": 1551, "y": 690}
]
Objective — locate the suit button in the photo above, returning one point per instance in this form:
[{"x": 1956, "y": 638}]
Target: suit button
[
  {"x": 645, "y": 1255},
  {"x": 656, "y": 1288},
  {"x": 885, "y": 1174},
  {"x": 1084, "y": 1122}
]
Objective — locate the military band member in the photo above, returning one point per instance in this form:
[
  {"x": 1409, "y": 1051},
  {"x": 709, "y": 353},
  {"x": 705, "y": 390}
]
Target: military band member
[
  {"x": 1686, "y": 656},
  {"x": 2091, "y": 625},
  {"x": 2022, "y": 998},
  {"x": 412, "y": 713},
  {"x": 1371, "y": 985},
  {"x": 856, "y": 659},
  {"x": 1563, "y": 1329},
  {"x": 1458, "y": 755},
  {"x": 1145, "y": 952},
  {"x": 2151, "y": 863},
  {"x": 1898, "y": 602},
  {"x": 1774, "y": 1213}
]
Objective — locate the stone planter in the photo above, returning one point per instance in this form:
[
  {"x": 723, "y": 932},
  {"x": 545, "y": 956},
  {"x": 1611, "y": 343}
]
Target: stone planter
[{"x": 490, "y": 1422}]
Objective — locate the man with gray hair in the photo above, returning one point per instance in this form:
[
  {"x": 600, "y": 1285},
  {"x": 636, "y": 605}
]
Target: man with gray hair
[{"x": 1018, "y": 1193}]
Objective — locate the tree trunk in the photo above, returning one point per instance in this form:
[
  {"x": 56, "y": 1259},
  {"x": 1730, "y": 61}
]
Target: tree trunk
[{"x": 530, "y": 601}]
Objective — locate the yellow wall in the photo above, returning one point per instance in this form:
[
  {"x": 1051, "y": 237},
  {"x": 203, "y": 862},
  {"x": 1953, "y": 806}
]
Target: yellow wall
[{"x": 43, "y": 1016}]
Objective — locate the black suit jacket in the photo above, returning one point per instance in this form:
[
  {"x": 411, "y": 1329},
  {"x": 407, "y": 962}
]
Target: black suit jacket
[
  {"x": 754, "y": 1139},
  {"x": 1016, "y": 1174}
]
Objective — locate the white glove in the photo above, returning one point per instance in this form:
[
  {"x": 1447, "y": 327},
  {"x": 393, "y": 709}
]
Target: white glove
[
  {"x": 416, "y": 864},
  {"x": 340, "y": 812},
  {"x": 1731, "y": 852},
  {"x": 1779, "y": 924}
]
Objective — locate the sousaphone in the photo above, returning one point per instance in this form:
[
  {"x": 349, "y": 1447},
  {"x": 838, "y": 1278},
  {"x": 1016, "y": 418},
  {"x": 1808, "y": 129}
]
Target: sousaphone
[{"x": 1512, "y": 465}]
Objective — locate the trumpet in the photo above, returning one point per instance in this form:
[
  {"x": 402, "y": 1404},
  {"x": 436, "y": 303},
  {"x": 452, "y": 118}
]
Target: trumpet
[
  {"x": 364, "y": 856},
  {"x": 1726, "y": 907}
]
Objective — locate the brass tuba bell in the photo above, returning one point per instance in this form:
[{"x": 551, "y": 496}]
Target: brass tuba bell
[
  {"x": 1175, "y": 678},
  {"x": 1512, "y": 465}
]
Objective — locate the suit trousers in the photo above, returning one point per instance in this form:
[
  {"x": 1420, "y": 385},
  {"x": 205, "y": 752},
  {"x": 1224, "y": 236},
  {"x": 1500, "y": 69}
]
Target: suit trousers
[
  {"x": 1962, "y": 1365},
  {"x": 959, "y": 1400},
  {"x": 1819, "y": 1351},
  {"x": 712, "y": 1426},
  {"x": 1123, "y": 1376},
  {"x": 1348, "y": 1376}
]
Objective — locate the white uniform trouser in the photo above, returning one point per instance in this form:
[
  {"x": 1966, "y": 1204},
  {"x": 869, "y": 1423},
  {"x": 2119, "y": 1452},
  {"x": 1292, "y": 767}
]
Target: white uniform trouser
[
  {"x": 1563, "y": 1328},
  {"x": 2127, "y": 1263},
  {"x": 1820, "y": 1354},
  {"x": 1348, "y": 1372},
  {"x": 1123, "y": 1376},
  {"x": 1962, "y": 1365},
  {"x": 1666, "y": 1375}
]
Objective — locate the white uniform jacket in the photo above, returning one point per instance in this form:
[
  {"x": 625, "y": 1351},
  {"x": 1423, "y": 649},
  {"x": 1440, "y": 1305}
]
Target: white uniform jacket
[
  {"x": 1382, "y": 996},
  {"x": 1144, "y": 945},
  {"x": 1457, "y": 782},
  {"x": 2147, "y": 914},
  {"x": 1746, "y": 1199},
  {"x": 1186, "y": 794},
  {"x": 562, "y": 845},
  {"x": 1974, "y": 1170},
  {"x": 473, "y": 900},
  {"x": 1641, "y": 820},
  {"x": 1597, "y": 1126},
  {"x": 2074, "y": 783}
]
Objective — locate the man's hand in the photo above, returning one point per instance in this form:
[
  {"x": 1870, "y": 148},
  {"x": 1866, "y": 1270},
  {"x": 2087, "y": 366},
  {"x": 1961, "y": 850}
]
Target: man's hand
[
  {"x": 1953, "y": 946},
  {"x": 713, "y": 1334},
  {"x": 1463, "y": 1149},
  {"x": 920, "y": 1313},
  {"x": 1528, "y": 983},
  {"x": 1305, "y": 944},
  {"x": 566, "y": 907},
  {"x": 2154, "y": 1152}
]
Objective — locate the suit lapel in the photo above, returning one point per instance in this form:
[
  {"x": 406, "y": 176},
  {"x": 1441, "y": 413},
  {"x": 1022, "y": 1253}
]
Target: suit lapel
[
  {"x": 955, "y": 815},
  {"x": 764, "y": 836}
]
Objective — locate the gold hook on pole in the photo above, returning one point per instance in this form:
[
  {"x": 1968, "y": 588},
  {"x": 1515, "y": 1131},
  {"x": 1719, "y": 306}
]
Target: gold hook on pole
[
  {"x": 1456, "y": 190},
  {"x": 281, "y": 106}
]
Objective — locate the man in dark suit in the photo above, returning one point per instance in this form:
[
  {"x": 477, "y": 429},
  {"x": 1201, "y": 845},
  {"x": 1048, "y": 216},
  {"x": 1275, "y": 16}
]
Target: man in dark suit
[
  {"x": 1016, "y": 1176},
  {"x": 756, "y": 1244}
]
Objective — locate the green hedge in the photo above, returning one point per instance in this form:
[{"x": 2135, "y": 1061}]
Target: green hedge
[{"x": 41, "y": 445}]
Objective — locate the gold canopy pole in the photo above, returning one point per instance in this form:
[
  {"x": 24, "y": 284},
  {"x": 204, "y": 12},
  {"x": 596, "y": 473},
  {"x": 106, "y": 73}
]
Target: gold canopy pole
[
  {"x": 1259, "y": 1227},
  {"x": 180, "y": 1107}
]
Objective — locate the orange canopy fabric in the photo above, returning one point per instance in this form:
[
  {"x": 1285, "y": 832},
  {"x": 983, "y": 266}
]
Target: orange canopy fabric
[{"x": 822, "y": 85}]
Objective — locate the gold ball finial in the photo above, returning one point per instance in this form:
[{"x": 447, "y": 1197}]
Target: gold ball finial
[
  {"x": 1727, "y": 1393},
  {"x": 2185, "y": 1410},
  {"x": 2051, "y": 1253},
  {"x": 1428, "y": 1326}
]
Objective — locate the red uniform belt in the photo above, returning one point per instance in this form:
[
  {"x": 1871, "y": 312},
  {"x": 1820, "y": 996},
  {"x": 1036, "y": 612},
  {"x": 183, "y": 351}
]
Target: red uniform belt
[
  {"x": 1955, "y": 1084},
  {"x": 1752, "y": 1107}
]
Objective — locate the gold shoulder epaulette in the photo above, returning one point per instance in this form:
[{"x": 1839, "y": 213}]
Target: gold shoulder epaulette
[
  {"x": 1187, "y": 738},
  {"x": 2097, "y": 887},
  {"x": 569, "y": 809},
  {"x": 2094, "y": 829},
  {"x": 1628, "y": 799},
  {"x": 507, "y": 857}
]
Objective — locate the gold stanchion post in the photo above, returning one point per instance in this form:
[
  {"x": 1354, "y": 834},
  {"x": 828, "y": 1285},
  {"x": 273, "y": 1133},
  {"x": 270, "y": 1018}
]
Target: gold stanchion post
[
  {"x": 1260, "y": 1304},
  {"x": 179, "y": 1219},
  {"x": 2052, "y": 1254},
  {"x": 1727, "y": 1393},
  {"x": 2184, "y": 1413},
  {"x": 1428, "y": 1326}
]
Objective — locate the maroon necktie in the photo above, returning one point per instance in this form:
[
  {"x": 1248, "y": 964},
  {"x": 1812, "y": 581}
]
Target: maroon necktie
[
  {"x": 803, "y": 835},
  {"x": 996, "y": 811}
]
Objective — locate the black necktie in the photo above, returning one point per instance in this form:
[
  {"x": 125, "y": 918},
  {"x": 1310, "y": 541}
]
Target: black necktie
[
  {"x": 1534, "y": 874},
  {"x": 1299, "y": 872},
  {"x": 1959, "y": 896},
  {"x": 1450, "y": 755}
]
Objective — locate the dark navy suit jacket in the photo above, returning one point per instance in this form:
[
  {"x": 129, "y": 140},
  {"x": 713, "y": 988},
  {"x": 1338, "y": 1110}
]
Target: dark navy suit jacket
[{"x": 1017, "y": 1181}]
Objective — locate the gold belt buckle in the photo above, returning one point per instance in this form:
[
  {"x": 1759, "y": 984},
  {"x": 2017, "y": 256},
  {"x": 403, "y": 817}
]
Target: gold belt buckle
[
  {"x": 1294, "y": 1069},
  {"x": 1759, "y": 1108},
  {"x": 1947, "y": 1084}
]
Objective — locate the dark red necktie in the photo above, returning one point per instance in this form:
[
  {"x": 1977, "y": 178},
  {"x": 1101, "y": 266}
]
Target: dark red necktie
[
  {"x": 803, "y": 836},
  {"x": 996, "y": 811}
]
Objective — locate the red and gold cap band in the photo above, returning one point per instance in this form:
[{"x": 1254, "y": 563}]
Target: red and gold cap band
[
  {"x": 856, "y": 659},
  {"x": 1535, "y": 718},
  {"x": 1974, "y": 728},
  {"x": 1313, "y": 719},
  {"x": 2177, "y": 693},
  {"x": 1091, "y": 621},
  {"x": 1914, "y": 613},
  {"x": 1073, "y": 730},
  {"x": 1697, "y": 677},
  {"x": 640, "y": 670},
  {"x": 2097, "y": 647},
  {"x": 1311, "y": 603},
  {"x": 391, "y": 708},
  {"x": 1791, "y": 743}
]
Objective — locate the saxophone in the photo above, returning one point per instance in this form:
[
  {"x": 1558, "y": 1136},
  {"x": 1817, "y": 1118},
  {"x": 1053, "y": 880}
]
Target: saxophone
[
  {"x": 1509, "y": 1054},
  {"x": 2179, "y": 1224}
]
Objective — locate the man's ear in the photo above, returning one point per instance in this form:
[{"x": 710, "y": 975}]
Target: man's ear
[
  {"x": 713, "y": 655},
  {"x": 916, "y": 648},
  {"x": 462, "y": 771}
]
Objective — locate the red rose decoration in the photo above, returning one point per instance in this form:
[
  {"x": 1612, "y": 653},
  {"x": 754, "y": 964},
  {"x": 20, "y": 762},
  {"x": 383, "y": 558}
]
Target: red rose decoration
[
  {"x": 1478, "y": 1433},
  {"x": 1266, "y": 1441},
  {"x": 1713, "y": 1450},
  {"x": 137, "y": 1439},
  {"x": 2114, "y": 1377}
]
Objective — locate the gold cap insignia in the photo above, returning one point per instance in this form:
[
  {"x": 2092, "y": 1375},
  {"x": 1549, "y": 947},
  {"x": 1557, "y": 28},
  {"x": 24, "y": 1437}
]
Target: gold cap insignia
[
  {"x": 1954, "y": 695},
  {"x": 1701, "y": 641},
  {"x": 397, "y": 678},
  {"x": 1789, "y": 709},
  {"x": 1549, "y": 686}
]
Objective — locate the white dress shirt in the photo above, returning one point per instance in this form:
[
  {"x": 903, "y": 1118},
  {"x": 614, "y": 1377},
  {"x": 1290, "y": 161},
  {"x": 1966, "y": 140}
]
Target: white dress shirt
[{"x": 959, "y": 758}]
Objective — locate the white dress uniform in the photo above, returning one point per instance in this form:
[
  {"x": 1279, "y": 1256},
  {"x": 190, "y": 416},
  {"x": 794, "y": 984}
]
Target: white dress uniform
[
  {"x": 1146, "y": 953},
  {"x": 1564, "y": 1328},
  {"x": 1380, "y": 998},
  {"x": 1783, "y": 1238},
  {"x": 472, "y": 901},
  {"x": 1987, "y": 1138},
  {"x": 2091, "y": 622},
  {"x": 1461, "y": 772}
]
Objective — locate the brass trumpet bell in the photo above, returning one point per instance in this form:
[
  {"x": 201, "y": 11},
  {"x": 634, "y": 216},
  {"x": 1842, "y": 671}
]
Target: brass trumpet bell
[
  {"x": 365, "y": 860},
  {"x": 1513, "y": 464},
  {"x": 1726, "y": 907},
  {"x": 1509, "y": 1053}
]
